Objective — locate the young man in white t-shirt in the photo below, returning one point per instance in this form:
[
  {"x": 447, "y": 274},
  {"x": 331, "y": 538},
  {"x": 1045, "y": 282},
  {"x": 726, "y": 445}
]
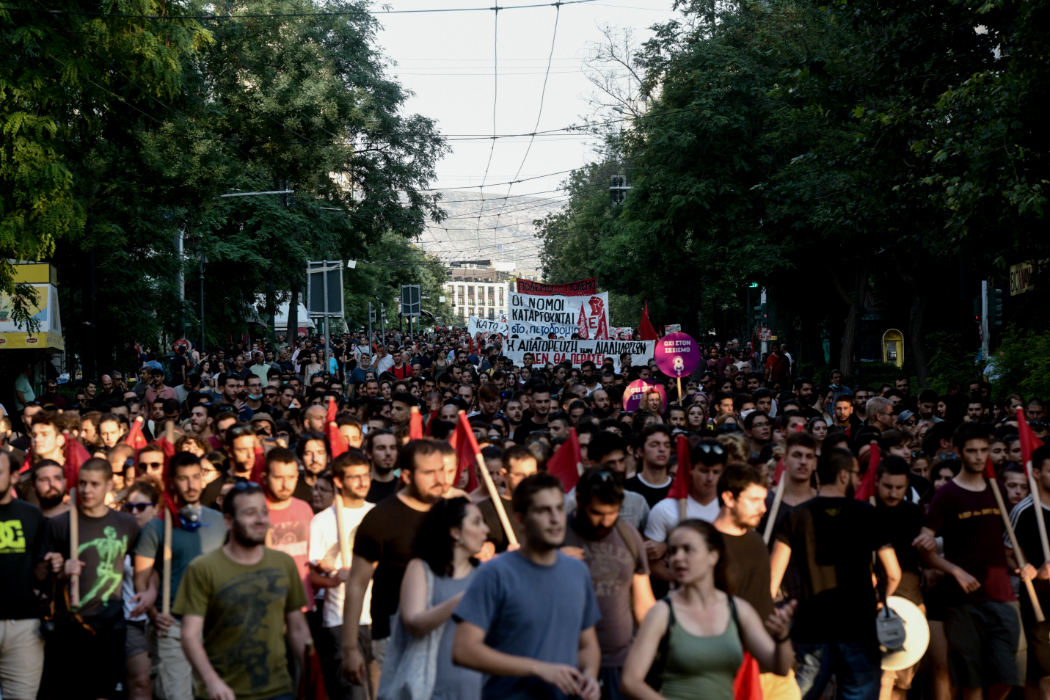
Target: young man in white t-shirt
[
  {"x": 709, "y": 460},
  {"x": 352, "y": 476}
]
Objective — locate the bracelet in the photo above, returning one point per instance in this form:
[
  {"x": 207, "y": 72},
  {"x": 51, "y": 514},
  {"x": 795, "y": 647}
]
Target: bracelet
[{"x": 785, "y": 638}]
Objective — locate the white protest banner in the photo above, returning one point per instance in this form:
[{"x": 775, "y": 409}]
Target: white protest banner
[
  {"x": 672, "y": 328},
  {"x": 486, "y": 326},
  {"x": 561, "y": 310},
  {"x": 578, "y": 351},
  {"x": 621, "y": 333}
]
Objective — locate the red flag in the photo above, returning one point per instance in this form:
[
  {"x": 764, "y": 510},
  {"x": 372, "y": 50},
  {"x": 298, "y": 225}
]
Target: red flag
[
  {"x": 311, "y": 680},
  {"x": 28, "y": 464},
  {"x": 989, "y": 469},
  {"x": 330, "y": 416},
  {"x": 748, "y": 683},
  {"x": 645, "y": 328},
  {"x": 867, "y": 485},
  {"x": 336, "y": 442},
  {"x": 466, "y": 446},
  {"x": 682, "y": 477},
  {"x": 259, "y": 467},
  {"x": 778, "y": 473},
  {"x": 135, "y": 438},
  {"x": 565, "y": 462},
  {"x": 415, "y": 424},
  {"x": 581, "y": 324},
  {"x": 1029, "y": 442},
  {"x": 75, "y": 454},
  {"x": 430, "y": 423}
]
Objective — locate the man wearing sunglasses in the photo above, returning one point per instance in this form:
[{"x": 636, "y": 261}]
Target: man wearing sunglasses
[
  {"x": 196, "y": 531},
  {"x": 709, "y": 460}
]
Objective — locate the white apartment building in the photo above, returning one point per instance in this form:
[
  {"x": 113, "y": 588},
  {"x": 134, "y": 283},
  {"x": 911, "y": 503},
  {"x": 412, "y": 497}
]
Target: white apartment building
[{"x": 476, "y": 288}]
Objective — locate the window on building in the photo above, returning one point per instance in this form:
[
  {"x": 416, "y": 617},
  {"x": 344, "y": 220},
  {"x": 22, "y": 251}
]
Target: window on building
[{"x": 501, "y": 297}]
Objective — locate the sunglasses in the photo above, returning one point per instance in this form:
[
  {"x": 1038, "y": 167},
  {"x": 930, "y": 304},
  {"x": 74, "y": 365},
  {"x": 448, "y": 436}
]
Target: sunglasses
[
  {"x": 910, "y": 422},
  {"x": 711, "y": 448},
  {"x": 246, "y": 486},
  {"x": 136, "y": 507},
  {"x": 151, "y": 464}
]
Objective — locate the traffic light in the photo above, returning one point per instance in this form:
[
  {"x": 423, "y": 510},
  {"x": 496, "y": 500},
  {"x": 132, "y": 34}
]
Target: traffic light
[
  {"x": 371, "y": 313},
  {"x": 995, "y": 310}
]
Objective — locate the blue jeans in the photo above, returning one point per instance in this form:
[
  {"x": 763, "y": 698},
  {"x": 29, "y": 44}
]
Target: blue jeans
[{"x": 857, "y": 669}]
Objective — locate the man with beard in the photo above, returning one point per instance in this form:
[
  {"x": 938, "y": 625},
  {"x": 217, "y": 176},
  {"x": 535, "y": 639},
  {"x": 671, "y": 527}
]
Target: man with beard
[
  {"x": 834, "y": 628},
  {"x": 381, "y": 449},
  {"x": 383, "y": 547},
  {"x": 49, "y": 485},
  {"x": 197, "y": 531},
  {"x": 742, "y": 497},
  {"x": 603, "y": 405},
  {"x": 518, "y": 464},
  {"x": 289, "y": 517},
  {"x": 351, "y": 475},
  {"x": 552, "y": 648},
  {"x": 513, "y": 412},
  {"x": 540, "y": 401},
  {"x": 249, "y": 599},
  {"x": 615, "y": 554}
]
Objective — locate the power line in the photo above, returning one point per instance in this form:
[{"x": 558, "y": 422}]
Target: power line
[
  {"x": 495, "y": 101},
  {"x": 539, "y": 114},
  {"x": 346, "y": 13}
]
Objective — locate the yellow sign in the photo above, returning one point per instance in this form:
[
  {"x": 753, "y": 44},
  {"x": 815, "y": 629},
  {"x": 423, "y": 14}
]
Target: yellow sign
[
  {"x": 1022, "y": 278},
  {"x": 893, "y": 347}
]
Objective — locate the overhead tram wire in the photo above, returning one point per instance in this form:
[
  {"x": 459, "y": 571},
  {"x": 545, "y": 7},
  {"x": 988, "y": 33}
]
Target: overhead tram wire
[
  {"x": 495, "y": 102},
  {"x": 539, "y": 115},
  {"x": 346, "y": 13}
]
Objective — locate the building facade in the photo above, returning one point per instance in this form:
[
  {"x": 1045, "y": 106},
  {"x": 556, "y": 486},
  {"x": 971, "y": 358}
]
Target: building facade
[{"x": 477, "y": 288}]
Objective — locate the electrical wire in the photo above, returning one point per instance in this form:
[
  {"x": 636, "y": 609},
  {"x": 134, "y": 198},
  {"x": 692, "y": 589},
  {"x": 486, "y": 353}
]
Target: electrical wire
[{"x": 539, "y": 114}]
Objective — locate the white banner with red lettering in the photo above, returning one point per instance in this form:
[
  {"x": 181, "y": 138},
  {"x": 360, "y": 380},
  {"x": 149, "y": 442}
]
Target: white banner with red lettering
[{"x": 559, "y": 310}]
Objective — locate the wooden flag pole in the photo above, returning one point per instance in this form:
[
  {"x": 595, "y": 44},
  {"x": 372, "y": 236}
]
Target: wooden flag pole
[
  {"x": 497, "y": 500},
  {"x": 680, "y": 392},
  {"x": 165, "y": 605},
  {"x": 1018, "y": 554},
  {"x": 74, "y": 547},
  {"x": 344, "y": 536},
  {"x": 683, "y": 508},
  {"x": 772, "y": 517}
]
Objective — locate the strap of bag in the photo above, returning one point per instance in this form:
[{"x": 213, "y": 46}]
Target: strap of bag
[{"x": 627, "y": 534}]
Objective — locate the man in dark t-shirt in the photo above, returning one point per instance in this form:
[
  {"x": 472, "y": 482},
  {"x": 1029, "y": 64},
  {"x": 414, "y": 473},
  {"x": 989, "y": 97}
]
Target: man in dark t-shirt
[
  {"x": 981, "y": 619},
  {"x": 94, "y": 658},
  {"x": 22, "y": 528},
  {"x": 833, "y": 537},
  {"x": 383, "y": 546},
  {"x": 741, "y": 495}
]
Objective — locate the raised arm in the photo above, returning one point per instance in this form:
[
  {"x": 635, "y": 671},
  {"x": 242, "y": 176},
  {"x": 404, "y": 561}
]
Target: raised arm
[
  {"x": 778, "y": 564},
  {"x": 418, "y": 619}
]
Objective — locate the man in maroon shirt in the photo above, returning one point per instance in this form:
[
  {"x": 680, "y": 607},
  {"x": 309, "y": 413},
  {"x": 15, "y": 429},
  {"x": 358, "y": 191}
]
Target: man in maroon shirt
[{"x": 982, "y": 620}]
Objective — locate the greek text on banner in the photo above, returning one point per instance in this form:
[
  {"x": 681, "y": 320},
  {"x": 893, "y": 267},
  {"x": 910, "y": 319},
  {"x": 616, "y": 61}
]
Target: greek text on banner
[{"x": 578, "y": 351}]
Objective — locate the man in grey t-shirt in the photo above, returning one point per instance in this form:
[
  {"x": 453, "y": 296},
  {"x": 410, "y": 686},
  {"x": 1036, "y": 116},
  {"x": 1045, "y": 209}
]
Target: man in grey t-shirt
[
  {"x": 199, "y": 531},
  {"x": 532, "y": 605}
]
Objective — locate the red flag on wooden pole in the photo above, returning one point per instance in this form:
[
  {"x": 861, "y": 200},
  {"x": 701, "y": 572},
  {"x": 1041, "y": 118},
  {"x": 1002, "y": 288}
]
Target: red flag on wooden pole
[
  {"x": 1029, "y": 442},
  {"x": 867, "y": 485},
  {"x": 465, "y": 445},
  {"x": 565, "y": 464},
  {"x": 337, "y": 444},
  {"x": 135, "y": 439}
]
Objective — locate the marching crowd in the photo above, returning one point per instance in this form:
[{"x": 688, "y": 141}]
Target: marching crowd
[{"x": 223, "y": 528}]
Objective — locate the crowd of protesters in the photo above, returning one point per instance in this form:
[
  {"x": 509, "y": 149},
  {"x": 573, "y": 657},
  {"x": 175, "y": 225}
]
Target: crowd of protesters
[{"x": 410, "y": 578}]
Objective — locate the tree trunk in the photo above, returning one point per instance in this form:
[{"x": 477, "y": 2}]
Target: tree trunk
[
  {"x": 292, "y": 331},
  {"x": 855, "y": 303},
  {"x": 916, "y": 321}
]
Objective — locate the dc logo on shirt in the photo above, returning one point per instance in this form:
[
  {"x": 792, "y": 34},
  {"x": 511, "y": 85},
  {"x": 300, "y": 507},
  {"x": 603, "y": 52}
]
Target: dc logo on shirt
[{"x": 12, "y": 540}]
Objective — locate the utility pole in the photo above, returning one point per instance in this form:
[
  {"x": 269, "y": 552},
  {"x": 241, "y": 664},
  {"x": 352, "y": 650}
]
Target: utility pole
[{"x": 984, "y": 320}]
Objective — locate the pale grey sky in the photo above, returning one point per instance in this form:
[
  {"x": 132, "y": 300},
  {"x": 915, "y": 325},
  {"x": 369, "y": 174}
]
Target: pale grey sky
[{"x": 446, "y": 59}]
